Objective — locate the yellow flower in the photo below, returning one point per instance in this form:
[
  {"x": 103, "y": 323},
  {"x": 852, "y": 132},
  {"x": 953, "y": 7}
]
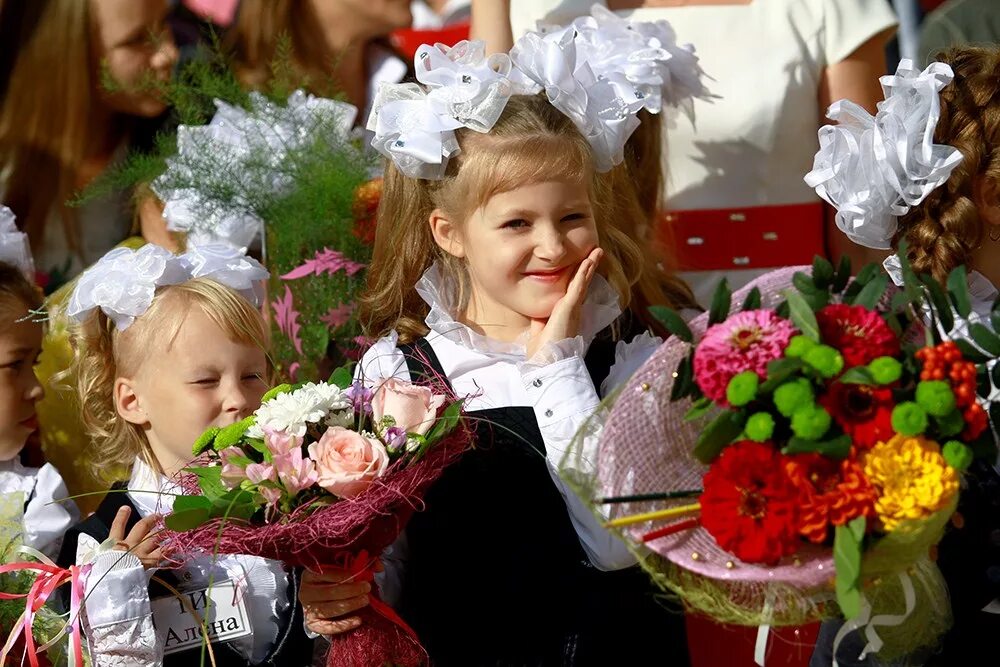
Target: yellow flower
[{"x": 911, "y": 477}]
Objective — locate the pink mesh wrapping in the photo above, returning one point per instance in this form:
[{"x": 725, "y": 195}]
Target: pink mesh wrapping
[
  {"x": 646, "y": 447},
  {"x": 334, "y": 535}
]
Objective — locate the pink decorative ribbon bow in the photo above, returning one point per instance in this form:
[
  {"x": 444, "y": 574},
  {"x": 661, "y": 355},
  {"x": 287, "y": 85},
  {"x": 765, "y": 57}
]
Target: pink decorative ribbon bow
[{"x": 50, "y": 577}]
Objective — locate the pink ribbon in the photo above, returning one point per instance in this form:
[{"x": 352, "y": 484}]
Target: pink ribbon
[{"x": 50, "y": 577}]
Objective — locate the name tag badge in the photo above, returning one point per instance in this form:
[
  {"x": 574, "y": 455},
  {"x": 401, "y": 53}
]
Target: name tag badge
[{"x": 222, "y": 611}]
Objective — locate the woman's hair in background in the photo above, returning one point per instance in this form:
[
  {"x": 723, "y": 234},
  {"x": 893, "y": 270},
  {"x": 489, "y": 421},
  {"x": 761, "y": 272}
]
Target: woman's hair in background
[
  {"x": 16, "y": 292},
  {"x": 46, "y": 90},
  {"x": 103, "y": 354},
  {"x": 532, "y": 142},
  {"x": 946, "y": 228}
]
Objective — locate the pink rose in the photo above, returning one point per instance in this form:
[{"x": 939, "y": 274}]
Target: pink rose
[
  {"x": 347, "y": 462},
  {"x": 414, "y": 408}
]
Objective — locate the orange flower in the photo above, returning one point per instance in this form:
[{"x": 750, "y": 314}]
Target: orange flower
[{"x": 832, "y": 493}]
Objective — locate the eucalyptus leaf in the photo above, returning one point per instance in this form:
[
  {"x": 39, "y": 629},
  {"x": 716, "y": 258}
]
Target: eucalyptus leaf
[
  {"x": 985, "y": 339},
  {"x": 970, "y": 351},
  {"x": 672, "y": 322},
  {"x": 958, "y": 290},
  {"x": 802, "y": 315},
  {"x": 721, "y": 301}
]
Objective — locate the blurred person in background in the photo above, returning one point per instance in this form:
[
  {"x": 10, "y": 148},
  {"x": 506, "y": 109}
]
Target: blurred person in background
[
  {"x": 960, "y": 23},
  {"x": 75, "y": 95}
]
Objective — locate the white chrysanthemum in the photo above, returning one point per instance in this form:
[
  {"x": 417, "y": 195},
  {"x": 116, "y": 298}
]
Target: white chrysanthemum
[{"x": 292, "y": 411}]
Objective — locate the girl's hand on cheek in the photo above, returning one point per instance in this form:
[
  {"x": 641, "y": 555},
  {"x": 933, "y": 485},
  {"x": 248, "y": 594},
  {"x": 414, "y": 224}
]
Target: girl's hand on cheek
[
  {"x": 564, "y": 322},
  {"x": 141, "y": 540}
]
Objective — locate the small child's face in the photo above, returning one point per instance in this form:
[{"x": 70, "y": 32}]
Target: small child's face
[
  {"x": 202, "y": 379},
  {"x": 523, "y": 247},
  {"x": 20, "y": 344}
]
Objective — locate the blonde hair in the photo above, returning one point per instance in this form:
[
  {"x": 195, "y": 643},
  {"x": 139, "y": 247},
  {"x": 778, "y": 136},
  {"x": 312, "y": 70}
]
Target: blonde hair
[
  {"x": 46, "y": 107},
  {"x": 532, "y": 142},
  {"x": 946, "y": 228},
  {"x": 103, "y": 354}
]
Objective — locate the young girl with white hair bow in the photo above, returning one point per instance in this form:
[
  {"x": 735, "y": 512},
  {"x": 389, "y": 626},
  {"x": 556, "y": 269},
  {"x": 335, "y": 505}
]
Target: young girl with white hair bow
[{"x": 168, "y": 346}]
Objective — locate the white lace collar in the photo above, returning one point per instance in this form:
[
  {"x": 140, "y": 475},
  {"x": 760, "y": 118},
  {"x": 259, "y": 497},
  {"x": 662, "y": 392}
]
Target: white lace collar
[
  {"x": 599, "y": 310},
  {"x": 982, "y": 292},
  {"x": 151, "y": 492}
]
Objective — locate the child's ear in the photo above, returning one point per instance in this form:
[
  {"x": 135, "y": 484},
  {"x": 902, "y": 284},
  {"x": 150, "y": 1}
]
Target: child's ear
[
  {"x": 446, "y": 233},
  {"x": 127, "y": 402},
  {"x": 988, "y": 200}
]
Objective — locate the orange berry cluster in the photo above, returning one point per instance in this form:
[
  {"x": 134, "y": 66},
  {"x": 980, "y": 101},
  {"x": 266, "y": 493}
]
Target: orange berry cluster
[{"x": 945, "y": 362}]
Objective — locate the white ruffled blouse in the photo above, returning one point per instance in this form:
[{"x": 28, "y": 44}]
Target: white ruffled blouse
[
  {"x": 120, "y": 622},
  {"x": 555, "y": 384},
  {"x": 47, "y": 513}
]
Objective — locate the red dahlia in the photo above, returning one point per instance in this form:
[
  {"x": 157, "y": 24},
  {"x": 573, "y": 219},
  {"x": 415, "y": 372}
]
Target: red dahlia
[
  {"x": 863, "y": 412},
  {"x": 860, "y": 334},
  {"x": 750, "y": 505}
]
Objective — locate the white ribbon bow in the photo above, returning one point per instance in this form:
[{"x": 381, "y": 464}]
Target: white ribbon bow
[
  {"x": 415, "y": 128},
  {"x": 603, "y": 109},
  {"x": 14, "y": 246},
  {"x": 123, "y": 283},
  {"x": 872, "y": 169}
]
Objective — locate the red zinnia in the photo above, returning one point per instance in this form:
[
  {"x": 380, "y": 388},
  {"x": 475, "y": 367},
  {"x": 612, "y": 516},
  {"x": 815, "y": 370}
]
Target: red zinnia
[
  {"x": 833, "y": 493},
  {"x": 862, "y": 411},
  {"x": 750, "y": 505},
  {"x": 858, "y": 333}
]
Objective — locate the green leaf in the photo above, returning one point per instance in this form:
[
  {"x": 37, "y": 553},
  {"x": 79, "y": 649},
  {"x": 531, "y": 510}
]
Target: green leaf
[
  {"x": 958, "y": 290},
  {"x": 701, "y": 407},
  {"x": 803, "y": 282},
  {"x": 871, "y": 293},
  {"x": 236, "y": 504},
  {"x": 753, "y": 301},
  {"x": 720, "y": 432},
  {"x": 939, "y": 302},
  {"x": 684, "y": 380},
  {"x": 446, "y": 423},
  {"x": 985, "y": 338},
  {"x": 995, "y": 319},
  {"x": 181, "y": 520},
  {"x": 867, "y": 273},
  {"x": 185, "y": 503},
  {"x": 900, "y": 301},
  {"x": 847, "y": 562},
  {"x": 672, "y": 322},
  {"x": 720, "y": 303},
  {"x": 995, "y": 373},
  {"x": 342, "y": 377},
  {"x": 843, "y": 274},
  {"x": 822, "y": 273},
  {"x": 802, "y": 315},
  {"x": 857, "y": 375},
  {"x": 970, "y": 352},
  {"x": 834, "y": 448},
  {"x": 210, "y": 479},
  {"x": 983, "y": 386},
  {"x": 817, "y": 300}
]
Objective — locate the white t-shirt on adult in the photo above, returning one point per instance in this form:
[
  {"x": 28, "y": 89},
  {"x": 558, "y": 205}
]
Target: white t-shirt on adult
[{"x": 752, "y": 146}]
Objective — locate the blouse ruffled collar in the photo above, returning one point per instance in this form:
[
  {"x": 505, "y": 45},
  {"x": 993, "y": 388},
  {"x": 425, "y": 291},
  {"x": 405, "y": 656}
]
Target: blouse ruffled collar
[
  {"x": 151, "y": 492},
  {"x": 15, "y": 476},
  {"x": 600, "y": 309}
]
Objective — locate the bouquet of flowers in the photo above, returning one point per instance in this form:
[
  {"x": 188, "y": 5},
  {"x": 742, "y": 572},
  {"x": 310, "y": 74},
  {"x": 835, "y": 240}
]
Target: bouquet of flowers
[
  {"x": 809, "y": 448},
  {"x": 323, "y": 475}
]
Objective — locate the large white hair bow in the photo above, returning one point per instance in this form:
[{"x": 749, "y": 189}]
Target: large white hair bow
[
  {"x": 254, "y": 144},
  {"x": 14, "y": 246},
  {"x": 123, "y": 283},
  {"x": 415, "y": 127},
  {"x": 873, "y": 169},
  {"x": 647, "y": 53},
  {"x": 603, "y": 109}
]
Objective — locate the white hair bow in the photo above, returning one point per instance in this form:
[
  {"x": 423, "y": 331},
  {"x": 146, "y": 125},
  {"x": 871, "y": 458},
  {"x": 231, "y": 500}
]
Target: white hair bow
[
  {"x": 123, "y": 283},
  {"x": 14, "y": 246},
  {"x": 603, "y": 109},
  {"x": 874, "y": 168},
  {"x": 415, "y": 128}
]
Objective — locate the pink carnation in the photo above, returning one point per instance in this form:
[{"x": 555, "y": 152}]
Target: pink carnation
[{"x": 746, "y": 341}]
